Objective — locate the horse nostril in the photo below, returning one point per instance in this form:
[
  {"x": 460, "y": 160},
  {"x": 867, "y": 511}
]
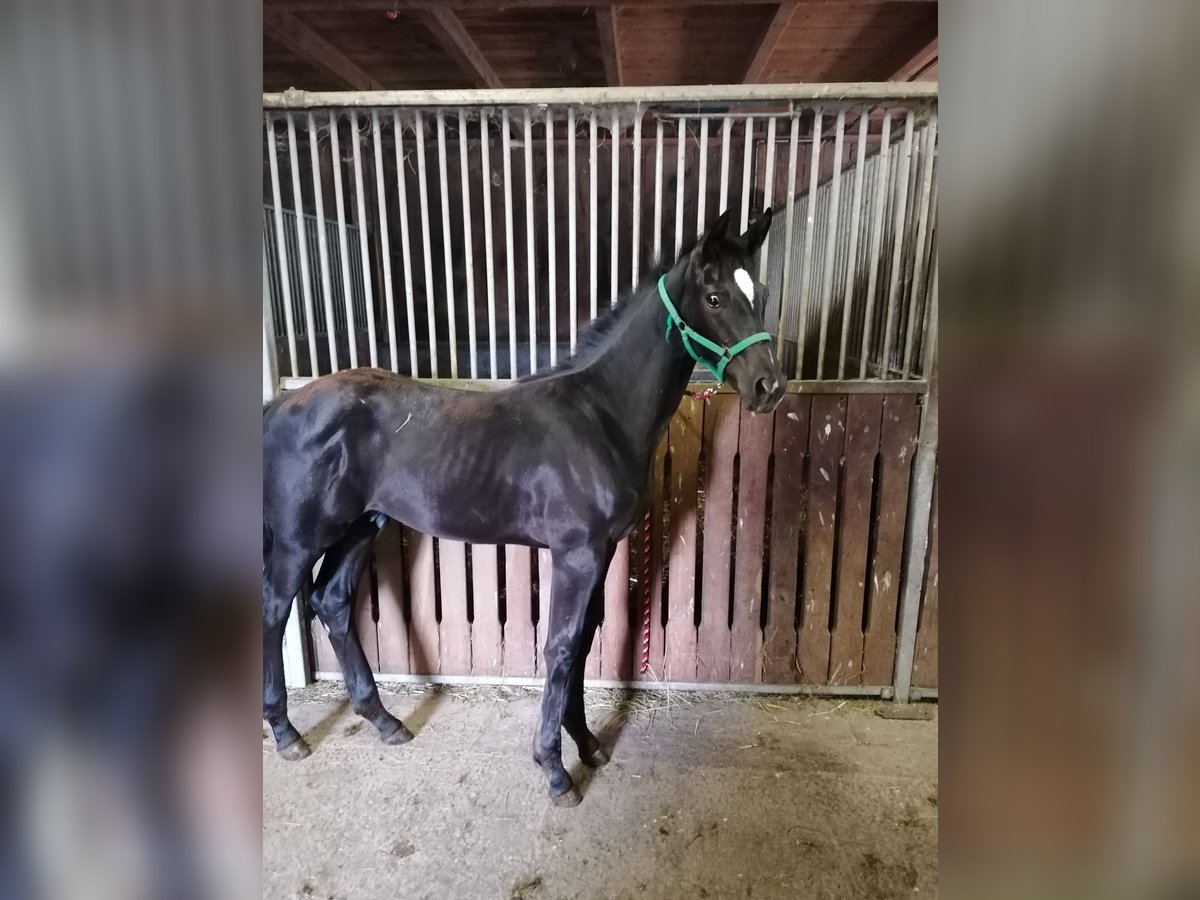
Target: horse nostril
[{"x": 762, "y": 388}]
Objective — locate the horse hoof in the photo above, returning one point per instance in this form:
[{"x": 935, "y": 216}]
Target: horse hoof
[
  {"x": 295, "y": 751},
  {"x": 596, "y": 758},
  {"x": 400, "y": 735},
  {"x": 567, "y": 799}
]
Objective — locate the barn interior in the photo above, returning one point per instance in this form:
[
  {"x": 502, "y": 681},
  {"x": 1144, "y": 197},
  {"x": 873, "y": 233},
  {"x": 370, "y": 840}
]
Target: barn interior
[{"x": 796, "y": 780}]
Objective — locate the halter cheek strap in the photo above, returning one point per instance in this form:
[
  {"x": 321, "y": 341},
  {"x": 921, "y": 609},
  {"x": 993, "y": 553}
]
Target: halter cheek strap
[{"x": 689, "y": 335}]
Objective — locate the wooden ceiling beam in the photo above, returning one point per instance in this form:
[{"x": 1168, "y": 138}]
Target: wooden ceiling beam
[
  {"x": 489, "y": 5},
  {"x": 610, "y": 45},
  {"x": 767, "y": 42},
  {"x": 448, "y": 31},
  {"x": 301, "y": 40},
  {"x": 921, "y": 60}
]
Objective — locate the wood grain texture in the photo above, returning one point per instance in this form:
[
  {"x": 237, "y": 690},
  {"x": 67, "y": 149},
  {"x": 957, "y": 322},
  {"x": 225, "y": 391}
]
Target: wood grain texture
[
  {"x": 657, "y": 632},
  {"x": 390, "y": 594},
  {"x": 898, "y": 440},
  {"x": 487, "y": 636},
  {"x": 616, "y": 633},
  {"x": 684, "y": 439},
  {"x": 754, "y": 454},
  {"x": 545, "y": 575},
  {"x": 424, "y": 639},
  {"x": 827, "y": 435},
  {"x": 721, "y": 424},
  {"x": 863, "y": 412},
  {"x": 454, "y": 627},
  {"x": 925, "y": 659},
  {"x": 519, "y": 645},
  {"x": 787, "y": 521}
]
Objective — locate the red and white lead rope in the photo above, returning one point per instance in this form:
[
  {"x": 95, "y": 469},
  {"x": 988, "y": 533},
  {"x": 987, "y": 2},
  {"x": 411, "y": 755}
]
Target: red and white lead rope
[{"x": 704, "y": 395}]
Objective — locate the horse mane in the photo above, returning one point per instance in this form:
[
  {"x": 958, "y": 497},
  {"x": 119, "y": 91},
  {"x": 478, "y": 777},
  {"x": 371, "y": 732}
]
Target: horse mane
[{"x": 596, "y": 336}]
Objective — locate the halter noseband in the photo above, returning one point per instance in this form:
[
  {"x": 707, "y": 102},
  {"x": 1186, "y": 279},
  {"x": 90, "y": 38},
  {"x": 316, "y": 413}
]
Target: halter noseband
[{"x": 688, "y": 334}]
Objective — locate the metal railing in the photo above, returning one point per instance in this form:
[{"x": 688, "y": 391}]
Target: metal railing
[{"x": 484, "y": 230}]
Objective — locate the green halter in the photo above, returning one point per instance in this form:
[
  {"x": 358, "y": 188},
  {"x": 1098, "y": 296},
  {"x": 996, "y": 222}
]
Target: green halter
[{"x": 724, "y": 354}]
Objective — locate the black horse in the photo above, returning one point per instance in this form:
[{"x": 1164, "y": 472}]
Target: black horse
[{"x": 558, "y": 460}]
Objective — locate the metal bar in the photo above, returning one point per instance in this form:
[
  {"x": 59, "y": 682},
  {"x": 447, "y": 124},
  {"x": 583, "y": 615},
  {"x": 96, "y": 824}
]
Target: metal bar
[
  {"x": 852, "y": 251},
  {"x": 920, "y": 502},
  {"x": 486, "y": 188},
  {"x": 423, "y": 187},
  {"x": 302, "y": 246},
  {"x": 900, "y": 92},
  {"x": 551, "y": 243},
  {"x": 595, "y": 228},
  {"x": 680, "y": 150},
  {"x": 897, "y": 243},
  {"x": 285, "y": 279},
  {"x": 883, "y": 692},
  {"x": 725, "y": 127},
  {"x": 881, "y": 179},
  {"x": 747, "y": 158},
  {"x": 385, "y": 244},
  {"x": 636, "y": 248},
  {"x": 271, "y": 381},
  {"x": 506, "y": 144},
  {"x": 468, "y": 248},
  {"x": 789, "y": 227},
  {"x": 343, "y": 241},
  {"x": 614, "y": 254},
  {"x": 363, "y": 249},
  {"x": 922, "y": 227},
  {"x": 768, "y": 192},
  {"x": 530, "y": 249},
  {"x": 810, "y": 386},
  {"x": 814, "y": 168},
  {"x": 447, "y": 249},
  {"x": 572, "y": 305},
  {"x": 701, "y": 175},
  {"x": 831, "y": 239},
  {"x": 322, "y": 243},
  {"x": 406, "y": 254},
  {"x": 658, "y": 189},
  {"x": 931, "y": 319}
]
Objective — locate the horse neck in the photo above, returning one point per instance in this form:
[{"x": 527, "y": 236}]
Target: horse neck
[{"x": 641, "y": 375}]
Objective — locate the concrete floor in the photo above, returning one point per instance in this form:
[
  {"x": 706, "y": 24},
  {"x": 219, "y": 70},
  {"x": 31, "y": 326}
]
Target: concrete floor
[{"x": 709, "y": 796}]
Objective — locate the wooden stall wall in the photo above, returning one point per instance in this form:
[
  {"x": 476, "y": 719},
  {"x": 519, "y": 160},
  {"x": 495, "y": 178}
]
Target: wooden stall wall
[{"x": 775, "y": 546}]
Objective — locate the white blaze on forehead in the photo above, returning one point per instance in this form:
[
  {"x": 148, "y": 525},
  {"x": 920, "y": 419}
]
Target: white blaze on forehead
[{"x": 745, "y": 282}]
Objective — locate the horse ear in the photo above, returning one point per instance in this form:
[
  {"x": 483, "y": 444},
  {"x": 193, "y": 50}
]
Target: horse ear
[
  {"x": 756, "y": 233},
  {"x": 716, "y": 232}
]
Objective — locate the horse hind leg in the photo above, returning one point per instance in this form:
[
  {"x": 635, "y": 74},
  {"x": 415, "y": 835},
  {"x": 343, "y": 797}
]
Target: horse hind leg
[
  {"x": 333, "y": 596},
  {"x": 281, "y": 581}
]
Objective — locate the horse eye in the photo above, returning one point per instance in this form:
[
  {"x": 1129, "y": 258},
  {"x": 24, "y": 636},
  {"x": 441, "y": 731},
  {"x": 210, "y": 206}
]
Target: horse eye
[{"x": 714, "y": 300}]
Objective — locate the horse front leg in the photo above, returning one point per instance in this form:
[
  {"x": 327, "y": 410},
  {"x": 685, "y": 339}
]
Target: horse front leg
[
  {"x": 591, "y": 752},
  {"x": 577, "y": 572}
]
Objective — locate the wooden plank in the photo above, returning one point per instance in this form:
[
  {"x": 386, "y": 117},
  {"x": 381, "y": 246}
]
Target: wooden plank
[
  {"x": 721, "y": 425},
  {"x": 519, "y": 648},
  {"x": 787, "y": 522},
  {"x": 424, "y": 643},
  {"x": 684, "y": 439},
  {"x": 455, "y": 629},
  {"x": 616, "y": 634},
  {"x": 449, "y": 32},
  {"x": 390, "y": 592},
  {"x": 364, "y": 616},
  {"x": 657, "y": 632},
  {"x": 863, "y": 412},
  {"x": 925, "y": 659},
  {"x": 324, "y": 659},
  {"x": 827, "y": 436},
  {"x": 487, "y": 647},
  {"x": 897, "y": 442},
  {"x": 610, "y": 44},
  {"x": 545, "y": 585},
  {"x": 754, "y": 453},
  {"x": 767, "y": 43},
  {"x": 917, "y": 65},
  {"x": 301, "y": 40}
]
